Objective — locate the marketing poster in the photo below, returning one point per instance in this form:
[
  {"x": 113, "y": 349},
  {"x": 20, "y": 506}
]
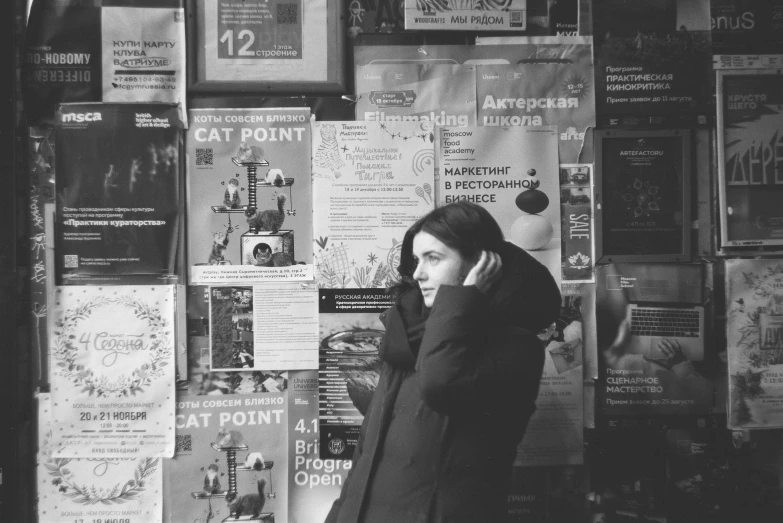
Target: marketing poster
[
  {"x": 754, "y": 336},
  {"x": 577, "y": 212},
  {"x": 505, "y": 15},
  {"x": 653, "y": 340},
  {"x": 371, "y": 182},
  {"x": 444, "y": 94},
  {"x": 70, "y": 489},
  {"x": 513, "y": 173},
  {"x": 249, "y": 196},
  {"x": 746, "y": 27},
  {"x": 750, "y": 119},
  {"x": 642, "y": 191},
  {"x": 112, "y": 365}
]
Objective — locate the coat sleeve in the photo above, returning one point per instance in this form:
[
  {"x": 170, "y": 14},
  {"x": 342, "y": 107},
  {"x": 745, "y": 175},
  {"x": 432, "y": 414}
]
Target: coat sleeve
[{"x": 459, "y": 371}]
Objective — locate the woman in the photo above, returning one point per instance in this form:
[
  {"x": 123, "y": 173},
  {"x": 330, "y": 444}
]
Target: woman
[{"x": 461, "y": 369}]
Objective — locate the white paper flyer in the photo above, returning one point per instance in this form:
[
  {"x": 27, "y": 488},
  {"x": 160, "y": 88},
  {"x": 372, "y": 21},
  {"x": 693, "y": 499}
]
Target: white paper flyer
[{"x": 112, "y": 366}]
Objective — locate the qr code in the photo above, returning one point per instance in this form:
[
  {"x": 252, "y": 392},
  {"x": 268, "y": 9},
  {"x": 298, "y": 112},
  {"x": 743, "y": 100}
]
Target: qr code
[
  {"x": 516, "y": 18},
  {"x": 71, "y": 261},
  {"x": 184, "y": 443},
  {"x": 204, "y": 156},
  {"x": 287, "y": 14}
]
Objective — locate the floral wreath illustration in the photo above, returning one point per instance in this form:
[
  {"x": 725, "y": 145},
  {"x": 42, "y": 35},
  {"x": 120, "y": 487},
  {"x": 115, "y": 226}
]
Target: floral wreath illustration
[
  {"x": 66, "y": 351},
  {"x": 92, "y": 495}
]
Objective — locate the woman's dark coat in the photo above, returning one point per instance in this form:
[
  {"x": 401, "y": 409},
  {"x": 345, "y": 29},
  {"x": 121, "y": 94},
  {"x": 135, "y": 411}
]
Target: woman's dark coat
[{"x": 456, "y": 391}]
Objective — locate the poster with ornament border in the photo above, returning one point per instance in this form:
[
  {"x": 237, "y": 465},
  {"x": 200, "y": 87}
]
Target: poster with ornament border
[
  {"x": 514, "y": 173},
  {"x": 754, "y": 343},
  {"x": 371, "y": 182},
  {"x": 112, "y": 371},
  {"x": 94, "y": 489},
  {"x": 642, "y": 196}
]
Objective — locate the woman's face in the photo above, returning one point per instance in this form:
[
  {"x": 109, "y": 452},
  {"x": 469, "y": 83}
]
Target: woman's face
[{"x": 437, "y": 264}]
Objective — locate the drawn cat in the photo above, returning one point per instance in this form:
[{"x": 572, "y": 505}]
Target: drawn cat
[
  {"x": 270, "y": 219},
  {"x": 229, "y": 438},
  {"x": 262, "y": 256},
  {"x": 250, "y": 153},
  {"x": 255, "y": 461},
  {"x": 219, "y": 244},
  {"x": 251, "y": 504},
  {"x": 231, "y": 196},
  {"x": 328, "y": 153}
]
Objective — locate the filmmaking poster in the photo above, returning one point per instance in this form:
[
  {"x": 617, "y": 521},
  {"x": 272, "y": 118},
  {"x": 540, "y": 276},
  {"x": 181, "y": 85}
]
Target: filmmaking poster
[
  {"x": 112, "y": 366},
  {"x": 750, "y": 119},
  {"x": 110, "y": 489}
]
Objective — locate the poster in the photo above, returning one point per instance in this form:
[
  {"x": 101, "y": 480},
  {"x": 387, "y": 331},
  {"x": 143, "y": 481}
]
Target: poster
[
  {"x": 577, "y": 212},
  {"x": 110, "y": 52},
  {"x": 741, "y": 27},
  {"x": 750, "y": 170},
  {"x": 259, "y": 40},
  {"x": 371, "y": 182},
  {"x": 754, "y": 337},
  {"x": 118, "y": 193},
  {"x": 249, "y": 196},
  {"x": 536, "y": 94},
  {"x": 513, "y": 173},
  {"x": 349, "y": 364},
  {"x": 653, "y": 345},
  {"x": 110, "y": 489},
  {"x": 231, "y": 458},
  {"x": 443, "y": 94},
  {"x": 643, "y": 193},
  {"x": 270, "y": 326},
  {"x": 504, "y": 15},
  {"x": 554, "y": 433},
  {"x": 112, "y": 364}
]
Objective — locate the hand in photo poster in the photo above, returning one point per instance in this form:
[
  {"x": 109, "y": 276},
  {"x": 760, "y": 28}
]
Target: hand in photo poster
[{"x": 513, "y": 173}]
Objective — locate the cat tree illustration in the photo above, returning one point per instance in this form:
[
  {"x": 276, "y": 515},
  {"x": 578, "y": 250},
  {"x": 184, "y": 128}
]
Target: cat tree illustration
[
  {"x": 264, "y": 237},
  {"x": 247, "y": 507}
]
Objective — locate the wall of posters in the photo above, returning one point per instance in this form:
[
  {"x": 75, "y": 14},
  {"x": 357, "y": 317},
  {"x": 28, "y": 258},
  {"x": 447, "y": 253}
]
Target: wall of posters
[
  {"x": 112, "y": 371},
  {"x": 513, "y": 173},
  {"x": 750, "y": 117},
  {"x": 643, "y": 193}
]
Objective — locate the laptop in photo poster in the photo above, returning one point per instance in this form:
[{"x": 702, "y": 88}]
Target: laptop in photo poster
[{"x": 652, "y": 338}]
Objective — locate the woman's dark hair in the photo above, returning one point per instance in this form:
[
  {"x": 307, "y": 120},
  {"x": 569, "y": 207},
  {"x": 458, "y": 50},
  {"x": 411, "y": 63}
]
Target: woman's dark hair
[{"x": 466, "y": 227}]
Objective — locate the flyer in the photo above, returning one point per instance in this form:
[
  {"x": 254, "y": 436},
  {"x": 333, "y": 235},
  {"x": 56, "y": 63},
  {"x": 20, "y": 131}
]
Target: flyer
[
  {"x": 106, "y": 488},
  {"x": 513, "y": 173},
  {"x": 118, "y": 187},
  {"x": 118, "y": 51},
  {"x": 349, "y": 364},
  {"x": 451, "y": 15},
  {"x": 249, "y": 196},
  {"x": 741, "y": 27},
  {"x": 536, "y": 94},
  {"x": 554, "y": 433},
  {"x": 750, "y": 116},
  {"x": 371, "y": 182},
  {"x": 654, "y": 348},
  {"x": 754, "y": 337},
  {"x": 443, "y": 94},
  {"x": 577, "y": 211},
  {"x": 231, "y": 459},
  {"x": 269, "y": 326},
  {"x": 643, "y": 196},
  {"x": 112, "y": 365}
]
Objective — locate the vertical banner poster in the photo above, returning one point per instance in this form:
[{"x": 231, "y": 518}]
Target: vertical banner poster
[
  {"x": 513, "y": 173},
  {"x": 249, "y": 196},
  {"x": 750, "y": 157},
  {"x": 652, "y": 332},
  {"x": 554, "y": 434},
  {"x": 110, "y": 489},
  {"x": 754, "y": 335},
  {"x": 444, "y": 94},
  {"x": 112, "y": 363},
  {"x": 577, "y": 211},
  {"x": 118, "y": 192},
  {"x": 371, "y": 181},
  {"x": 231, "y": 458},
  {"x": 643, "y": 196},
  {"x": 557, "y": 92}
]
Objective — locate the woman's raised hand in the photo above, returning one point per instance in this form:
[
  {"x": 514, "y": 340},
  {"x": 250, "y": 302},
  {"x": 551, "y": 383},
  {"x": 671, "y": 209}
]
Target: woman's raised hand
[{"x": 486, "y": 272}]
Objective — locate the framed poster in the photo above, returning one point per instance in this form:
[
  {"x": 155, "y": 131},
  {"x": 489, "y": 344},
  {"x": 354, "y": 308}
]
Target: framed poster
[
  {"x": 750, "y": 170},
  {"x": 642, "y": 195},
  {"x": 266, "y": 45}
]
